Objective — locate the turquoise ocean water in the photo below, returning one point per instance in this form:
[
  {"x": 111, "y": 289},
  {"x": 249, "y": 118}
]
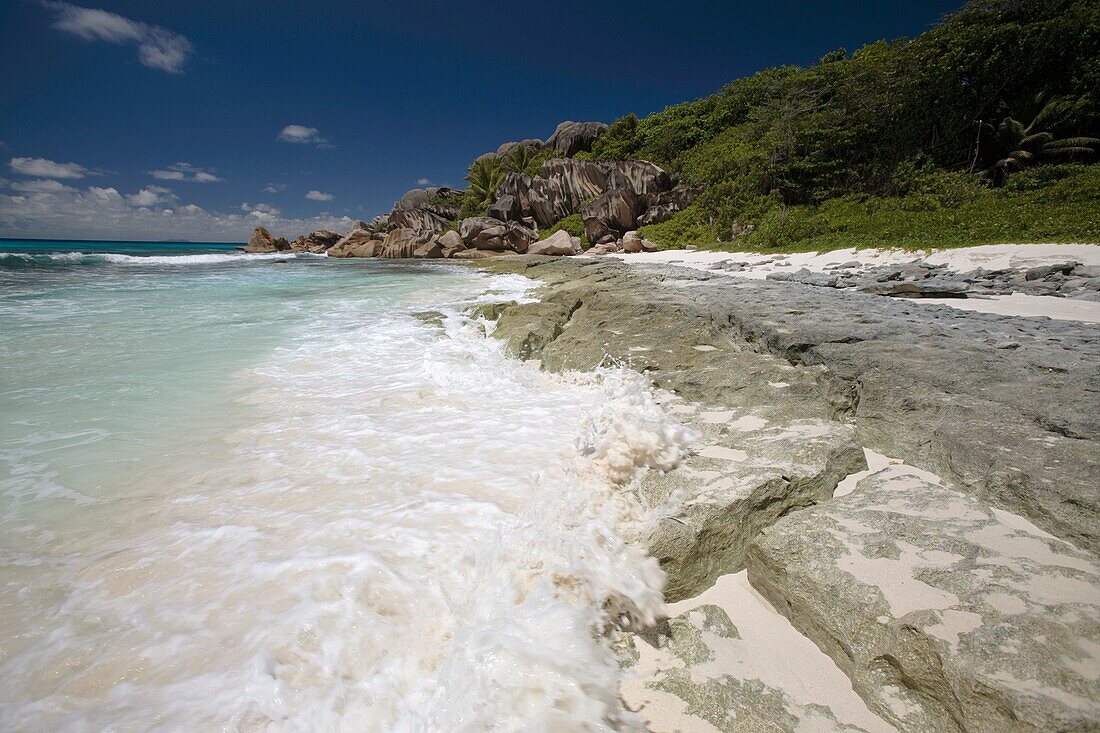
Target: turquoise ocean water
[{"x": 260, "y": 492}]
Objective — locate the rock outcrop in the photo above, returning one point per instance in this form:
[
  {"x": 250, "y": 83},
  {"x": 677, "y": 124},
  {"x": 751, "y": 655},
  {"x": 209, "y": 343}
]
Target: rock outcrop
[
  {"x": 570, "y": 138},
  {"x": 261, "y": 241},
  {"x": 493, "y": 234},
  {"x": 947, "y": 608},
  {"x": 402, "y": 243},
  {"x": 664, "y": 205},
  {"x": 947, "y": 615},
  {"x": 611, "y": 214},
  {"x": 612, "y": 196},
  {"x": 426, "y": 210},
  {"x": 315, "y": 242},
  {"x": 558, "y": 244},
  {"x": 506, "y": 148}
]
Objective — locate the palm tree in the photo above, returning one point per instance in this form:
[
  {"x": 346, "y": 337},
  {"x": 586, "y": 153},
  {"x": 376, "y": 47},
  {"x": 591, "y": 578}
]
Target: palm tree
[
  {"x": 1020, "y": 146},
  {"x": 519, "y": 159},
  {"x": 485, "y": 177}
]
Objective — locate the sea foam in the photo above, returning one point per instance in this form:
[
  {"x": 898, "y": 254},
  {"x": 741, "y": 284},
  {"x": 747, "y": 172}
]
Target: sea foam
[{"x": 411, "y": 532}]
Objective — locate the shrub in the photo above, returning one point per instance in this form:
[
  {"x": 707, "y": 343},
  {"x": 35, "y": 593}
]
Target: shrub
[
  {"x": 785, "y": 225},
  {"x": 690, "y": 226},
  {"x": 572, "y": 224}
]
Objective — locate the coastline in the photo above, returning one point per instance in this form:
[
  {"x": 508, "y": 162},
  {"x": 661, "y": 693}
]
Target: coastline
[{"x": 789, "y": 408}]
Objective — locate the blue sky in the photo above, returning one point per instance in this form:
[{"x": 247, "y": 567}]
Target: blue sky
[{"x": 198, "y": 120}]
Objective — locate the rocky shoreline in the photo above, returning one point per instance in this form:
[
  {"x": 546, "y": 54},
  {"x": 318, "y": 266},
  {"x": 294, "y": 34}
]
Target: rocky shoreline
[
  {"x": 907, "y": 495},
  {"x": 524, "y": 211},
  {"x": 958, "y": 591}
]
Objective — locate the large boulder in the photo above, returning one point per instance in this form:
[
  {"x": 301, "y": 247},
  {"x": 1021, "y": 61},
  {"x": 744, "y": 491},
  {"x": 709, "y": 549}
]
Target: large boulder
[
  {"x": 451, "y": 243},
  {"x": 402, "y": 243},
  {"x": 543, "y": 199},
  {"x": 579, "y": 180},
  {"x": 557, "y": 244},
  {"x": 613, "y": 212},
  {"x": 316, "y": 242},
  {"x": 663, "y": 205},
  {"x": 506, "y": 208},
  {"x": 570, "y": 138},
  {"x": 533, "y": 143},
  {"x": 640, "y": 176},
  {"x": 431, "y": 249},
  {"x": 262, "y": 241},
  {"x": 482, "y": 232},
  {"x": 426, "y": 210}
]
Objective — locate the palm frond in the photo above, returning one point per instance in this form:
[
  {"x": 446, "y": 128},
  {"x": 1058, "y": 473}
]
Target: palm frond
[
  {"x": 1036, "y": 139},
  {"x": 1072, "y": 142},
  {"x": 1068, "y": 152}
]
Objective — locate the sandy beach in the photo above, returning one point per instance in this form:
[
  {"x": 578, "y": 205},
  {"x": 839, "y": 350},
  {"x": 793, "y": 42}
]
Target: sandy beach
[{"x": 963, "y": 259}]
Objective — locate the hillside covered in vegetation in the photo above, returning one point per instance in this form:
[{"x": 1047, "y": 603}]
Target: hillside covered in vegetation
[
  {"x": 984, "y": 130},
  {"x": 974, "y": 132}
]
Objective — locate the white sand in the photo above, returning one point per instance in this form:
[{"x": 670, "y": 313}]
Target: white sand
[
  {"x": 1018, "y": 304},
  {"x": 989, "y": 257},
  {"x": 770, "y": 650}
]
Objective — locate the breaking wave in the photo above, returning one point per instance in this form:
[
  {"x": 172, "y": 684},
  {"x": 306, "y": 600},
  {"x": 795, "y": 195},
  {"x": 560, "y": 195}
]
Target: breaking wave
[
  {"x": 46, "y": 259},
  {"x": 411, "y": 531}
]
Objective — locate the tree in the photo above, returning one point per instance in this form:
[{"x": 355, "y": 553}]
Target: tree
[
  {"x": 484, "y": 178},
  {"x": 520, "y": 159},
  {"x": 1018, "y": 146}
]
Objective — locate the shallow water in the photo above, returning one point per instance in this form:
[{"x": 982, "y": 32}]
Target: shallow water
[{"x": 239, "y": 494}]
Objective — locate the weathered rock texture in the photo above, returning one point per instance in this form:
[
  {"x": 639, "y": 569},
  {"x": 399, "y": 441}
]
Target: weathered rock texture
[
  {"x": 316, "y": 242},
  {"x": 426, "y": 210},
  {"x": 571, "y": 138},
  {"x": 261, "y": 241},
  {"x": 1003, "y": 408},
  {"x": 920, "y": 279},
  {"x": 768, "y": 443},
  {"x": 946, "y": 614}
]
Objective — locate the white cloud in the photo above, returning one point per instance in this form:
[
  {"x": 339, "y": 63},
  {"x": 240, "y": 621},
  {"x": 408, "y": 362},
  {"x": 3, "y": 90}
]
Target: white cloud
[
  {"x": 275, "y": 188},
  {"x": 185, "y": 172},
  {"x": 41, "y": 186},
  {"x": 44, "y": 168},
  {"x": 318, "y": 196},
  {"x": 104, "y": 213},
  {"x": 158, "y": 48},
  {"x": 151, "y": 196},
  {"x": 259, "y": 210},
  {"x": 423, "y": 181},
  {"x": 303, "y": 135}
]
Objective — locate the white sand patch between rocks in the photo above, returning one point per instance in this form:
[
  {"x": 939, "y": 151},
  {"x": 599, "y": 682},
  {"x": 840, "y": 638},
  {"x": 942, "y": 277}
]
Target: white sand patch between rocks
[
  {"x": 770, "y": 650},
  {"x": 962, "y": 259},
  {"x": 1018, "y": 304}
]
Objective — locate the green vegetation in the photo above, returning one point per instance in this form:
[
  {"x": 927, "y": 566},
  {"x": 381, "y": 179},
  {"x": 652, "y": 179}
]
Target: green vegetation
[
  {"x": 487, "y": 173},
  {"x": 1024, "y": 146},
  {"x": 1043, "y": 204},
  {"x": 688, "y": 226},
  {"x": 484, "y": 178},
  {"x": 909, "y": 143},
  {"x": 523, "y": 159}
]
